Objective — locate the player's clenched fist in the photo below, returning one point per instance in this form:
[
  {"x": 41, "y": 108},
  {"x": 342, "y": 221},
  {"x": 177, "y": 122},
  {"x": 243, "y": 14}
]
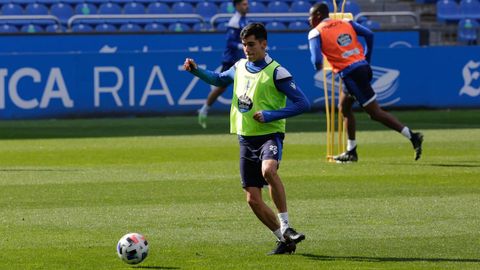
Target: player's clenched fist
[{"x": 189, "y": 64}]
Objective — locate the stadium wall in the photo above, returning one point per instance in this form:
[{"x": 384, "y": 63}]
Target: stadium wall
[{"x": 106, "y": 75}]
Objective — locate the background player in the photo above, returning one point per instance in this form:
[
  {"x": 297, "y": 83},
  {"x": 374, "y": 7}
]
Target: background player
[
  {"x": 233, "y": 52},
  {"x": 337, "y": 40}
]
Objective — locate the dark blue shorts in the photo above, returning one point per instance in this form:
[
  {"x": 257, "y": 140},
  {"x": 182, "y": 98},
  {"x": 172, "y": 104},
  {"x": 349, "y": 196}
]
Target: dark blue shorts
[
  {"x": 358, "y": 84},
  {"x": 255, "y": 149}
]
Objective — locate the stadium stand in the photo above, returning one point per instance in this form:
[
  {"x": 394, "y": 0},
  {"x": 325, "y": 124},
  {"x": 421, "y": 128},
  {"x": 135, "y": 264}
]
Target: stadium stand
[
  {"x": 275, "y": 26},
  {"x": 300, "y": 6},
  {"x": 81, "y": 28},
  {"x": 109, "y": 8},
  {"x": 36, "y": 9},
  {"x": 105, "y": 27},
  {"x": 206, "y": 10},
  {"x": 12, "y": 9},
  {"x": 468, "y": 31},
  {"x": 179, "y": 27},
  {"x": 62, "y": 11},
  {"x": 134, "y": 8},
  {"x": 85, "y": 9},
  {"x": 470, "y": 9},
  {"x": 182, "y": 8},
  {"x": 7, "y": 28},
  {"x": 31, "y": 28},
  {"x": 130, "y": 27},
  {"x": 257, "y": 7},
  {"x": 158, "y": 8},
  {"x": 278, "y": 7},
  {"x": 298, "y": 26}
]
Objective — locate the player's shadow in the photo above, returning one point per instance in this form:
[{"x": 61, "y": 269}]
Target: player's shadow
[
  {"x": 458, "y": 165},
  {"x": 385, "y": 259},
  {"x": 155, "y": 267}
]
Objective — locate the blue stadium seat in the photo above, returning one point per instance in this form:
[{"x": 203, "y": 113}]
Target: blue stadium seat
[
  {"x": 221, "y": 27},
  {"x": 36, "y": 9},
  {"x": 470, "y": 9},
  {"x": 97, "y": 2},
  {"x": 371, "y": 24},
  {"x": 227, "y": 7},
  {"x": 278, "y": 6},
  {"x": 256, "y": 7},
  {"x": 31, "y": 28},
  {"x": 130, "y": 27},
  {"x": 275, "y": 26},
  {"x": 155, "y": 27},
  {"x": 7, "y": 28},
  {"x": 298, "y": 26},
  {"x": 109, "y": 8},
  {"x": 300, "y": 6},
  {"x": 178, "y": 27},
  {"x": 85, "y": 9},
  {"x": 70, "y": 2},
  {"x": 201, "y": 27},
  {"x": 447, "y": 10},
  {"x": 12, "y": 9},
  {"x": 54, "y": 28},
  {"x": 206, "y": 10},
  {"x": 467, "y": 31},
  {"x": 182, "y": 8},
  {"x": 158, "y": 8},
  {"x": 105, "y": 27},
  {"x": 62, "y": 11},
  {"x": 24, "y": 2},
  {"x": 134, "y": 8},
  {"x": 81, "y": 28}
]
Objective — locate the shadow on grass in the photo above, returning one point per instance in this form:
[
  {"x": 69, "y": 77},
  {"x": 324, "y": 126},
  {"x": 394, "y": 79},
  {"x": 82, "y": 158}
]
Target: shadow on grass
[
  {"x": 155, "y": 267},
  {"x": 385, "y": 259},
  {"x": 39, "y": 170},
  {"x": 455, "y": 165},
  {"x": 217, "y": 124}
]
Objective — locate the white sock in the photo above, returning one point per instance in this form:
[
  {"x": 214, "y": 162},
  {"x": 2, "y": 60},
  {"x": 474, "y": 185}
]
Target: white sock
[
  {"x": 351, "y": 144},
  {"x": 278, "y": 233},
  {"x": 283, "y": 218},
  {"x": 406, "y": 132},
  {"x": 204, "y": 109}
]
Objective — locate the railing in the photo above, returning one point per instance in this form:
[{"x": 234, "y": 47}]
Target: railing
[
  {"x": 30, "y": 17},
  {"x": 278, "y": 16},
  {"x": 390, "y": 14},
  {"x": 114, "y": 17}
]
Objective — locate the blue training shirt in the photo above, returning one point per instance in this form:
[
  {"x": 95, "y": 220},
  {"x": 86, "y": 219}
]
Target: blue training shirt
[
  {"x": 234, "y": 48},
  {"x": 315, "y": 45},
  {"x": 283, "y": 81}
]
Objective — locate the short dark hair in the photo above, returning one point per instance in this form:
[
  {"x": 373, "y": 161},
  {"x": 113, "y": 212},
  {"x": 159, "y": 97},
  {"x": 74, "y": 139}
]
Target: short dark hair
[
  {"x": 255, "y": 29},
  {"x": 235, "y": 2},
  {"x": 321, "y": 8}
]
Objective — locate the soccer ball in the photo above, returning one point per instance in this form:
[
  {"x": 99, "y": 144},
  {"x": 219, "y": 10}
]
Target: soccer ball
[{"x": 132, "y": 248}]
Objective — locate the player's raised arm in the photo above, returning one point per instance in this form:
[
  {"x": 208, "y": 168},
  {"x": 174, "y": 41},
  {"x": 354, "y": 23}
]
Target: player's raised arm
[{"x": 211, "y": 77}]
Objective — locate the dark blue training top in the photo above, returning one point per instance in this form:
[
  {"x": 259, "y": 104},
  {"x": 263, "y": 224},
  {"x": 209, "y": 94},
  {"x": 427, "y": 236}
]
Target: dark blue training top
[{"x": 234, "y": 49}]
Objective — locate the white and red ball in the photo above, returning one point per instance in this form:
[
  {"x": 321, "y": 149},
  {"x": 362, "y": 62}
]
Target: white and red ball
[{"x": 132, "y": 248}]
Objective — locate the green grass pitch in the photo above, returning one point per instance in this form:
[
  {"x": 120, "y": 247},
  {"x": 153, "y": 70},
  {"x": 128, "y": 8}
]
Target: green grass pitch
[{"x": 71, "y": 188}]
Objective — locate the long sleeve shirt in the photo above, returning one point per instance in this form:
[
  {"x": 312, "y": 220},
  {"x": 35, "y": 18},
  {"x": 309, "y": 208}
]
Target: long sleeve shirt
[{"x": 283, "y": 81}]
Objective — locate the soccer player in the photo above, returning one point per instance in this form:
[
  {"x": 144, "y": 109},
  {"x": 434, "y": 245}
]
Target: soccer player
[
  {"x": 233, "y": 52},
  {"x": 257, "y": 116},
  {"x": 337, "y": 40}
]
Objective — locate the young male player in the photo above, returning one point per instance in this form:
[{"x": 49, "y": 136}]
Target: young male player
[
  {"x": 233, "y": 52},
  {"x": 257, "y": 116},
  {"x": 337, "y": 40}
]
